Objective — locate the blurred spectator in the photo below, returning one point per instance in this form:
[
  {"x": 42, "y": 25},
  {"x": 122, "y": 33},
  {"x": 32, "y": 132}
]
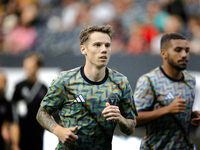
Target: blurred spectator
[
  {"x": 27, "y": 97},
  {"x": 194, "y": 27},
  {"x": 173, "y": 24},
  {"x": 101, "y": 11},
  {"x": 149, "y": 30},
  {"x": 159, "y": 16},
  {"x": 20, "y": 37},
  {"x": 176, "y": 7},
  {"x": 192, "y": 7},
  {"x": 9, "y": 137},
  {"x": 119, "y": 39},
  {"x": 3, "y": 13},
  {"x": 127, "y": 12},
  {"x": 73, "y": 13},
  {"x": 137, "y": 43}
]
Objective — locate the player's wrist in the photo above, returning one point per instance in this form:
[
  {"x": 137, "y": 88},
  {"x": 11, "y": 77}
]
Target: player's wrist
[
  {"x": 57, "y": 130},
  {"x": 166, "y": 110}
]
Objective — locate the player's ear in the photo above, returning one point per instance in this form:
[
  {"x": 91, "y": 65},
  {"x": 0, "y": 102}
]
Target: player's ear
[
  {"x": 83, "y": 49},
  {"x": 163, "y": 53}
]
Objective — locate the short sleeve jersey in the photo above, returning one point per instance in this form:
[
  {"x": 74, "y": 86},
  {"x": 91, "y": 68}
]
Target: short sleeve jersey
[
  {"x": 81, "y": 102},
  {"x": 155, "y": 90}
]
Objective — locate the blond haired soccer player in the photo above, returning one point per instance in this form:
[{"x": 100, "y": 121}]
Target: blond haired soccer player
[{"x": 91, "y": 99}]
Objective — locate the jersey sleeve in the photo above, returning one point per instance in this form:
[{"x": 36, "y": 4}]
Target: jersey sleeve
[
  {"x": 144, "y": 94},
  {"x": 55, "y": 96},
  {"x": 127, "y": 107}
]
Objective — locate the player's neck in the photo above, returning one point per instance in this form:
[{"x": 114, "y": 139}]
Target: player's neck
[
  {"x": 172, "y": 72},
  {"x": 94, "y": 74}
]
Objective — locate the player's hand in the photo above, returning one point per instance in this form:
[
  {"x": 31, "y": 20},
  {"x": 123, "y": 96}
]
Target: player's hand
[
  {"x": 67, "y": 136},
  {"x": 111, "y": 112},
  {"x": 195, "y": 118},
  {"x": 178, "y": 105}
]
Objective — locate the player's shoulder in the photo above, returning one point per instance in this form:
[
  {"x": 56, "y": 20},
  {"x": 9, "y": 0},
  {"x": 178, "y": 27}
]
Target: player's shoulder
[
  {"x": 188, "y": 75},
  {"x": 69, "y": 72},
  {"x": 151, "y": 74},
  {"x": 115, "y": 74},
  {"x": 65, "y": 75}
]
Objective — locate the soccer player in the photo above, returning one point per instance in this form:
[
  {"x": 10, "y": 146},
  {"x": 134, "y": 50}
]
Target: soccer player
[
  {"x": 91, "y": 99},
  {"x": 9, "y": 137},
  {"x": 164, "y": 98}
]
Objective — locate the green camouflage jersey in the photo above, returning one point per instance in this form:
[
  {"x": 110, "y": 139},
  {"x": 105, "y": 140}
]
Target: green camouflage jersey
[
  {"x": 155, "y": 90},
  {"x": 81, "y": 101}
]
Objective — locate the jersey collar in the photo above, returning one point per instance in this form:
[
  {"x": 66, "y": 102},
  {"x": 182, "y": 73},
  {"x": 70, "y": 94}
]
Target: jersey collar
[
  {"x": 175, "y": 80},
  {"x": 92, "y": 82}
]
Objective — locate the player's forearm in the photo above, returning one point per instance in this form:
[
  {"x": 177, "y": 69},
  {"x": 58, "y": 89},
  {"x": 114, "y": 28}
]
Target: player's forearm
[
  {"x": 146, "y": 117},
  {"x": 127, "y": 126},
  {"x": 45, "y": 120}
]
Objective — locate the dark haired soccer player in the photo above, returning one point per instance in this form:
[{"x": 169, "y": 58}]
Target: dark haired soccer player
[
  {"x": 82, "y": 94},
  {"x": 164, "y": 98}
]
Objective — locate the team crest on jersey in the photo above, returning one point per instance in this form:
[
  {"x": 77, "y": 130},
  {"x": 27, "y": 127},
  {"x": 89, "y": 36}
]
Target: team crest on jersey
[{"x": 112, "y": 99}]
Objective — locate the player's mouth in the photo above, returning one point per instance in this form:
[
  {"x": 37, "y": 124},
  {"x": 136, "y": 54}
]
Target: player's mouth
[
  {"x": 184, "y": 61},
  {"x": 103, "y": 58}
]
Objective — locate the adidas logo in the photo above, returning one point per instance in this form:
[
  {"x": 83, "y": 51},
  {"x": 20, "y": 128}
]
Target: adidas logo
[
  {"x": 79, "y": 99},
  {"x": 169, "y": 96}
]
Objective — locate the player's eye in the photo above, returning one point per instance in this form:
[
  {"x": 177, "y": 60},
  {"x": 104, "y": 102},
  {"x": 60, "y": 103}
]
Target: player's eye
[
  {"x": 107, "y": 45},
  {"x": 187, "y": 50},
  {"x": 178, "y": 49},
  {"x": 97, "y": 44}
]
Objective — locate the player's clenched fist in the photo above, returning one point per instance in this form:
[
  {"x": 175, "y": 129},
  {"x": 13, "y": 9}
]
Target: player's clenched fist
[
  {"x": 66, "y": 135},
  {"x": 178, "y": 105}
]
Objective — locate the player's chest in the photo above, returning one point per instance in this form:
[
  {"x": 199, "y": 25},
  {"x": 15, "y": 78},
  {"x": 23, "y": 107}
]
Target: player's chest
[
  {"x": 166, "y": 94},
  {"x": 93, "y": 94}
]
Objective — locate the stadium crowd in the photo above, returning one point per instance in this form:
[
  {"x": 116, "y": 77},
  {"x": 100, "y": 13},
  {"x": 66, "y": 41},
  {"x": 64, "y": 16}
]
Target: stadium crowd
[{"x": 52, "y": 26}]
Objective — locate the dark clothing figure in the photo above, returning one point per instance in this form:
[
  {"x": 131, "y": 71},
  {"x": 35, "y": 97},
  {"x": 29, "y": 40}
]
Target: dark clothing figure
[
  {"x": 27, "y": 97},
  {"x": 5, "y": 115}
]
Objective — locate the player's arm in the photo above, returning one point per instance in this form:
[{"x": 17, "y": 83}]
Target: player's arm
[
  {"x": 111, "y": 112},
  {"x": 195, "y": 118},
  {"x": 178, "y": 105},
  {"x": 45, "y": 119},
  {"x": 146, "y": 117},
  {"x": 126, "y": 126},
  {"x": 144, "y": 97},
  {"x": 65, "y": 135}
]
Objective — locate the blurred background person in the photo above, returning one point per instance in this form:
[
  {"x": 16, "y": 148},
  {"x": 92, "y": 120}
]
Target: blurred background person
[
  {"x": 173, "y": 24},
  {"x": 137, "y": 43},
  {"x": 194, "y": 26},
  {"x": 19, "y": 34},
  {"x": 9, "y": 137},
  {"x": 27, "y": 97}
]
